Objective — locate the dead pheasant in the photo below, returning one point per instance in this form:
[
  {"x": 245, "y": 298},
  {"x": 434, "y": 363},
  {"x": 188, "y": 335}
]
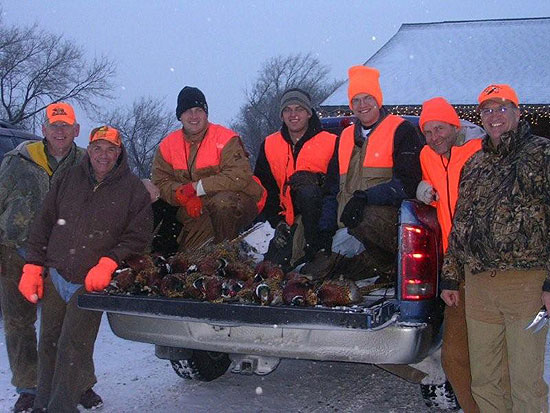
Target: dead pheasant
[
  {"x": 179, "y": 263},
  {"x": 212, "y": 266},
  {"x": 269, "y": 292},
  {"x": 230, "y": 288},
  {"x": 299, "y": 290},
  {"x": 340, "y": 292},
  {"x": 266, "y": 269},
  {"x": 124, "y": 280},
  {"x": 239, "y": 271},
  {"x": 173, "y": 285},
  {"x": 210, "y": 286},
  {"x": 148, "y": 277}
]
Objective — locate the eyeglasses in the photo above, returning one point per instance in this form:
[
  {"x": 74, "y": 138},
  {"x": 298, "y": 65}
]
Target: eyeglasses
[{"x": 499, "y": 109}]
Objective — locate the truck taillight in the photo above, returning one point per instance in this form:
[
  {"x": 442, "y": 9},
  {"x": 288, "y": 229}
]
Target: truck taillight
[{"x": 418, "y": 263}]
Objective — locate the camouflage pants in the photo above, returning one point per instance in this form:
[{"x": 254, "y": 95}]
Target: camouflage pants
[{"x": 19, "y": 318}]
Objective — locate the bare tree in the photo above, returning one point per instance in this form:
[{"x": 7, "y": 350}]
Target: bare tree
[
  {"x": 142, "y": 126},
  {"x": 259, "y": 116},
  {"x": 37, "y": 68}
]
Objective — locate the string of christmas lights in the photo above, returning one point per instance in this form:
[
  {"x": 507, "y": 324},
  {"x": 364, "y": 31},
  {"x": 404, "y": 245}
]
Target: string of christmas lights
[{"x": 538, "y": 116}]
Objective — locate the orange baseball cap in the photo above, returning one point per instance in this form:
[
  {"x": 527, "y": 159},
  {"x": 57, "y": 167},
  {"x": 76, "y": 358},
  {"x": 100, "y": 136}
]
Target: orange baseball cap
[
  {"x": 496, "y": 91},
  {"x": 364, "y": 79},
  {"x": 107, "y": 133},
  {"x": 60, "y": 112},
  {"x": 438, "y": 109}
]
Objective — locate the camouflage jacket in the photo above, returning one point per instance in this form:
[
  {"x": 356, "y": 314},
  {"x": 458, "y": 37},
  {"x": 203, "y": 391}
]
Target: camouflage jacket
[
  {"x": 26, "y": 174},
  {"x": 502, "y": 218}
]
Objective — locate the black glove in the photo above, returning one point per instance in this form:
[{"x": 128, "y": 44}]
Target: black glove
[
  {"x": 353, "y": 212},
  {"x": 282, "y": 235},
  {"x": 300, "y": 179}
]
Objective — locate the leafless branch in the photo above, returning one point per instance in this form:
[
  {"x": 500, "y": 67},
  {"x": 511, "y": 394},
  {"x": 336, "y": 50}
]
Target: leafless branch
[
  {"x": 259, "y": 116},
  {"x": 142, "y": 126},
  {"x": 37, "y": 68}
]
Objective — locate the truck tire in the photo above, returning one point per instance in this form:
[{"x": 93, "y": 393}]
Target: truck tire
[
  {"x": 440, "y": 396},
  {"x": 202, "y": 365}
]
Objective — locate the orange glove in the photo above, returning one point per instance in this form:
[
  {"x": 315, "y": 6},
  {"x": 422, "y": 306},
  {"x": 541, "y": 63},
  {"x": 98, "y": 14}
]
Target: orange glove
[
  {"x": 194, "y": 207},
  {"x": 184, "y": 193},
  {"x": 100, "y": 275},
  {"x": 31, "y": 284}
]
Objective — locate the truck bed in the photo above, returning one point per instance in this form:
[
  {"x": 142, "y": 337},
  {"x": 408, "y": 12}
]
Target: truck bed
[
  {"x": 384, "y": 328},
  {"x": 355, "y": 334}
]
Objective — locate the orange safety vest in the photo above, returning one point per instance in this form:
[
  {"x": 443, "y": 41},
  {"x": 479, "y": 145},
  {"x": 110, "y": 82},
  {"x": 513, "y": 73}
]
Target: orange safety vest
[
  {"x": 314, "y": 156},
  {"x": 379, "y": 148},
  {"x": 444, "y": 175},
  {"x": 377, "y": 166},
  {"x": 175, "y": 149}
]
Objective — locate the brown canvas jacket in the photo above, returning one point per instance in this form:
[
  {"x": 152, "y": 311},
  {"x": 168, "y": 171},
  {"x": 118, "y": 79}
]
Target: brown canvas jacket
[
  {"x": 232, "y": 174},
  {"x": 82, "y": 221}
]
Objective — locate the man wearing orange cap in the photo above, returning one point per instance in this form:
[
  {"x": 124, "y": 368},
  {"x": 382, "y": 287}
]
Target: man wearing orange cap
[
  {"x": 500, "y": 246},
  {"x": 442, "y": 160},
  {"x": 378, "y": 162},
  {"x": 26, "y": 174},
  {"x": 94, "y": 217}
]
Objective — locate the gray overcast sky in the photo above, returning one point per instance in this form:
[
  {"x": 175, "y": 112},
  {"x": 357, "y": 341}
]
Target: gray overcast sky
[{"x": 219, "y": 45}]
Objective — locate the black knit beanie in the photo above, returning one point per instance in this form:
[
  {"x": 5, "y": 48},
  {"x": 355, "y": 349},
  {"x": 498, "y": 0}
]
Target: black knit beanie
[{"x": 190, "y": 97}]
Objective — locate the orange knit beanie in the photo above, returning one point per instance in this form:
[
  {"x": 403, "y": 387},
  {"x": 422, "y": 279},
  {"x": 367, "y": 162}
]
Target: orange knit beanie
[
  {"x": 438, "y": 109},
  {"x": 363, "y": 79}
]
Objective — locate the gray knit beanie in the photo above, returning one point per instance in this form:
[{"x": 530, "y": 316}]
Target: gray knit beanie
[{"x": 295, "y": 96}]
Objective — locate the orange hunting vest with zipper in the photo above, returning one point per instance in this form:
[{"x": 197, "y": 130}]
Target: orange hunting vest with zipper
[
  {"x": 376, "y": 159},
  {"x": 314, "y": 156},
  {"x": 444, "y": 175},
  {"x": 174, "y": 149}
]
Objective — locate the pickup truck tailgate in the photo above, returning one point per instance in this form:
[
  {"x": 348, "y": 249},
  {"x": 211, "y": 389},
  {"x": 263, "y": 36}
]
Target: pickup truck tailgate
[{"x": 356, "y": 334}]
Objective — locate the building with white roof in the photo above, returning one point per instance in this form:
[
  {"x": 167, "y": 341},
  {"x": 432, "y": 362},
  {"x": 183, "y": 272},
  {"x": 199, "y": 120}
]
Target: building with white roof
[{"x": 457, "y": 60}]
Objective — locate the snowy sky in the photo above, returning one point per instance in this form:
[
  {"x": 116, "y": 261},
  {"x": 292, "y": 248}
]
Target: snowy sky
[{"x": 220, "y": 45}]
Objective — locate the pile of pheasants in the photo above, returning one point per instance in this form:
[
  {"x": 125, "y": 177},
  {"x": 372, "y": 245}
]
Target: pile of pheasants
[{"x": 224, "y": 273}]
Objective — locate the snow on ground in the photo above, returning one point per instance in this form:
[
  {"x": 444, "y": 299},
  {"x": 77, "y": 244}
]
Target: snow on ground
[{"x": 132, "y": 379}]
